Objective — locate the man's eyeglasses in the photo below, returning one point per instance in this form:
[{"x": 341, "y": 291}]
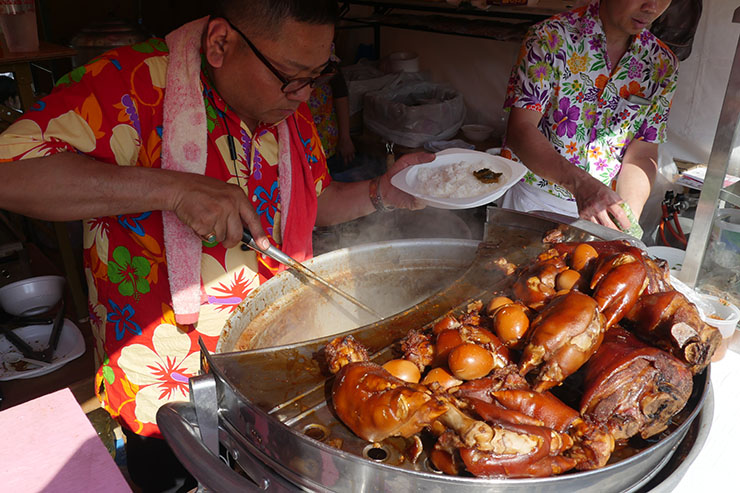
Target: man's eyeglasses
[{"x": 290, "y": 85}]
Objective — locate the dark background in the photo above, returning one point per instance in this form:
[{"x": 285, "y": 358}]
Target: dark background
[{"x": 60, "y": 20}]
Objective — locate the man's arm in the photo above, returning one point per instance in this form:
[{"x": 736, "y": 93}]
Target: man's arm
[
  {"x": 69, "y": 186},
  {"x": 639, "y": 166},
  {"x": 342, "y": 202},
  {"x": 594, "y": 199}
]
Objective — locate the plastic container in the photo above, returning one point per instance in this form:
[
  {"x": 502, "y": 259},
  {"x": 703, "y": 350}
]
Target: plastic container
[
  {"x": 728, "y": 221},
  {"x": 735, "y": 341},
  {"x": 725, "y": 239},
  {"x": 725, "y": 318},
  {"x": 18, "y": 22}
]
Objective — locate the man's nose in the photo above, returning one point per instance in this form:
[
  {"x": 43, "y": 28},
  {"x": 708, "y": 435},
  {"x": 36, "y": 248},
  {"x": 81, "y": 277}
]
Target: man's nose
[{"x": 301, "y": 94}]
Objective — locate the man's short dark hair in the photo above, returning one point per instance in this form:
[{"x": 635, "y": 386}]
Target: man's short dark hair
[{"x": 266, "y": 16}]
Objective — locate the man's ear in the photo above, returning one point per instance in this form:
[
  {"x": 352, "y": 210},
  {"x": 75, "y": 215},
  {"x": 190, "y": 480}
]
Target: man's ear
[{"x": 216, "y": 41}]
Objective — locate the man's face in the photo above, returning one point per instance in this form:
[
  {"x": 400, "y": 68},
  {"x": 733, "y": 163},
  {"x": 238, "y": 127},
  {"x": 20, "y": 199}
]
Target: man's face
[
  {"x": 629, "y": 17},
  {"x": 251, "y": 88}
]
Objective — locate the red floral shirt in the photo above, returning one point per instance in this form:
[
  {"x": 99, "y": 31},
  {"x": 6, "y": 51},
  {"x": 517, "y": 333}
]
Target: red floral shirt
[{"x": 111, "y": 109}]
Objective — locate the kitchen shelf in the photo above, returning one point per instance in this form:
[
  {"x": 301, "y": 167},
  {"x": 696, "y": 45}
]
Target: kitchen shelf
[
  {"x": 543, "y": 9},
  {"x": 497, "y": 22}
]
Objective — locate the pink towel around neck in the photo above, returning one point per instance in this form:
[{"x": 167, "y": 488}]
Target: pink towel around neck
[{"x": 184, "y": 148}]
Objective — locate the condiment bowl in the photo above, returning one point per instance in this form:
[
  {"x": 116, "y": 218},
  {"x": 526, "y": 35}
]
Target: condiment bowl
[{"x": 476, "y": 132}]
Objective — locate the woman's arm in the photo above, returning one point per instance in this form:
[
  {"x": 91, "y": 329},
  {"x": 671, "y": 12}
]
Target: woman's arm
[
  {"x": 595, "y": 200},
  {"x": 635, "y": 180}
]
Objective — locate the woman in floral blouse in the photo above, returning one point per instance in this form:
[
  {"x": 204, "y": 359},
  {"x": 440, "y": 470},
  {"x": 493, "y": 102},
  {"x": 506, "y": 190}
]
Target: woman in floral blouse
[{"x": 589, "y": 99}]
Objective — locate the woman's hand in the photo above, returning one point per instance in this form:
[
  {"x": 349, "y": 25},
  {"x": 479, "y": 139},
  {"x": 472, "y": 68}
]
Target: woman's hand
[
  {"x": 346, "y": 149},
  {"x": 210, "y": 206},
  {"x": 599, "y": 204},
  {"x": 392, "y": 196}
]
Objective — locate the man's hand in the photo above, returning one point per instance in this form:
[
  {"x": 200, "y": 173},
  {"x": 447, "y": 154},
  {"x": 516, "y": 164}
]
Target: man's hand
[
  {"x": 394, "y": 197},
  {"x": 210, "y": 206}
]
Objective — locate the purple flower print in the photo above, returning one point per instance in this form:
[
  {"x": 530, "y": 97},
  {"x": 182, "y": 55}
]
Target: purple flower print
[
  {"x": 553, "y": 41},
  {"x": 600, "y": 164},
  {"x": 595, "y": 44},
  {"x": 644, "y": 38},
  {"x": 587, "y": 26},
  {"x": 566, "y": 118},
  {"x": 635, "y": 68},
  {"x": 589, "y": 114},
  {"x": 646, "y": 133},
  {"x": 593, "y": 9},
  {"x": 575, "y": 159},
  {"x": 133, "y": 115},
  {"x": 661, "y": 71},
  {"x": 539, "y": 71}
]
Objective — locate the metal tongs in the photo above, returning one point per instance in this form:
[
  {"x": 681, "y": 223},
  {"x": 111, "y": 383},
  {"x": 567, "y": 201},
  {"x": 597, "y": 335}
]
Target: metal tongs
[
  {"x": 287, "y": 260},
  {"x": 42, "y": 356}
]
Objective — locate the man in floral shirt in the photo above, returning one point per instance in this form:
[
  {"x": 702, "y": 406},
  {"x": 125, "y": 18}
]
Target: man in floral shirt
[
  {"x": 589, "y": 98},
  {"x": 93, "y": 150}
]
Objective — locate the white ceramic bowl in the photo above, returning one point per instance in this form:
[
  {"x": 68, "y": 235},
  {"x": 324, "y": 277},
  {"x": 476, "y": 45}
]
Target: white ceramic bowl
[
  {"x": 674, "y": 256},
  {"x": 403, "y": 61},
  {"x": 31, "y": 296},
  {"x": 476, "y": 132}
]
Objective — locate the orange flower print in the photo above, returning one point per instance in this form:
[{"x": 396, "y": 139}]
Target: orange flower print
[
  {"x": 634, "y": 88},
  {"x": 571, "y": 148},
  {"x": 601, "y": 81}
]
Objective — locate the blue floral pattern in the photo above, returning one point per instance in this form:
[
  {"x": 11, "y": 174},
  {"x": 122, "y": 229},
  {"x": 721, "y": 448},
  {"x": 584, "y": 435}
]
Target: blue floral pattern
[
  {"x": 133, "y": 223},
  {"x": 122, "y": 318}
]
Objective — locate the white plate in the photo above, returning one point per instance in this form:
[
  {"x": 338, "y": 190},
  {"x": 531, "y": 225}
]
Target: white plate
[
  {"x": 71, "y": 345},
  {"x": 407, "y": 179}
]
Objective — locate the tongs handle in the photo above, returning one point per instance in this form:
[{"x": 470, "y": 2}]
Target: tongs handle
[
  {"x": 248, "y": 239},
  {"x": 271, "y": 251},
  {"x": 56, "y": 332}
]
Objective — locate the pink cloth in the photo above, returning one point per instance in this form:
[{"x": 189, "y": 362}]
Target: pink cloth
[
  {"x": 48, "y": 444},
  {"x": 184, "y": 142}
]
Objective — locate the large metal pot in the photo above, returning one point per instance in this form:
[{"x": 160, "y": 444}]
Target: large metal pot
[{"x": 268, "y": 407}]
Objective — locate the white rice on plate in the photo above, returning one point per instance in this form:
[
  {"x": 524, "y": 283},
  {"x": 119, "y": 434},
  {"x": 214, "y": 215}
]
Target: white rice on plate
[{"x": 455, "y": 181}]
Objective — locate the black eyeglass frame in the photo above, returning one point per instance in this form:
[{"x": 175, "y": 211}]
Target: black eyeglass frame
[{"x": 289, "y": 85}]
